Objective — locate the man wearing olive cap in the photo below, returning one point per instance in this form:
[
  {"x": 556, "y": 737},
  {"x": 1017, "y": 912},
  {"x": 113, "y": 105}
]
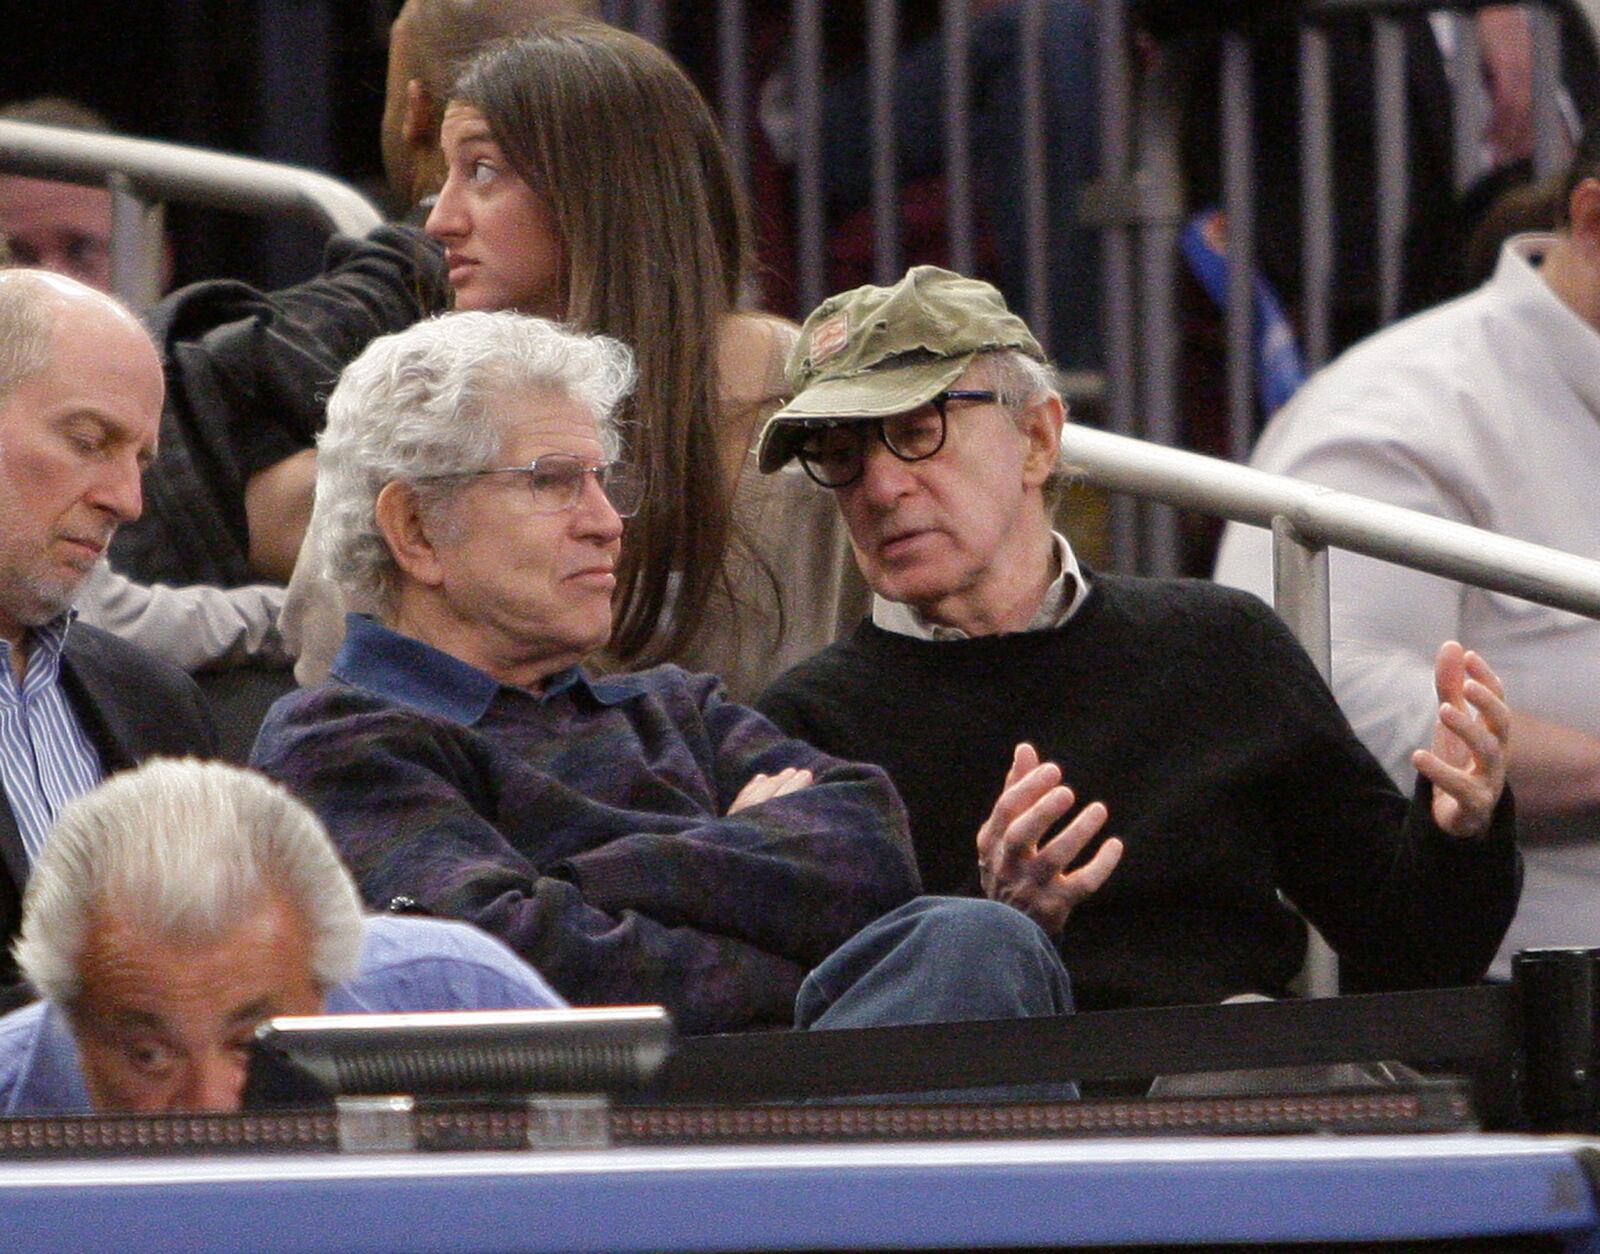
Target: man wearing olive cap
[{"x": 1006, "y": 688}]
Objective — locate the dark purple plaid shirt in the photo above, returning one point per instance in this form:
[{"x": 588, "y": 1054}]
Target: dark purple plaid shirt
[{"x": 586, "y": 827}]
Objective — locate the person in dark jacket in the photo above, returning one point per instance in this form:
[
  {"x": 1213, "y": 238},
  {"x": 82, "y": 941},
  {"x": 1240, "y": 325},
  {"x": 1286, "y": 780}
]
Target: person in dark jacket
[{"x": 80, "y": 404}]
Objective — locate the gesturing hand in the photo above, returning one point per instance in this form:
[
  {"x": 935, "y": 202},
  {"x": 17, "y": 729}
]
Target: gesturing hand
[
  {"x": 765, "y": 787},
  {"x": 1018, "y": 866},
  {"x": 1467, "y": 763}
]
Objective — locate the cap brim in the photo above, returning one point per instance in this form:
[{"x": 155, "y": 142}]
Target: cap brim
[{"x": 870, "y": 394}]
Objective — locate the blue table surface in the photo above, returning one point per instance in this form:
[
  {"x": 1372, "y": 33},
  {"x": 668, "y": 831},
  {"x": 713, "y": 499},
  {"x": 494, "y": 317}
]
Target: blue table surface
[{"x": 894, "y": 1195}]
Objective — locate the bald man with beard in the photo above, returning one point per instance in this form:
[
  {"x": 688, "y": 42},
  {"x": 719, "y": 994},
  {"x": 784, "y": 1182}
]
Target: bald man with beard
[{"x": 80, "y": 408}]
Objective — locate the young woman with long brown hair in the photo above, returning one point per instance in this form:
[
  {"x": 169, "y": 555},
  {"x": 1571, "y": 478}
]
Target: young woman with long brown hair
[{"x": 587, "y": 182}]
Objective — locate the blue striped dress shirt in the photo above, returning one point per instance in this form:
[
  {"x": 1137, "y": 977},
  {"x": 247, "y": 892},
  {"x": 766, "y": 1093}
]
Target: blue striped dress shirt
[{"x": 45, "y": 757}]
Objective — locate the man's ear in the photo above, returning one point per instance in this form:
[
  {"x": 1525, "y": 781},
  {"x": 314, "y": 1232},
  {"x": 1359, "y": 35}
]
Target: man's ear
[
  {"x": 419, "y": 126},
  {"x": 1041, "y": 424},
  {"x": 406, "y": 533},
  {"x": 419, "y": 129},
  {"x": 1583, "y": 212}
]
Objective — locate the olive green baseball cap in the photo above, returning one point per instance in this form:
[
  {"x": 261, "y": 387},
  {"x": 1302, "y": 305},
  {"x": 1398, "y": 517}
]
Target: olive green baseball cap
[{"x": 877, "y": 351}]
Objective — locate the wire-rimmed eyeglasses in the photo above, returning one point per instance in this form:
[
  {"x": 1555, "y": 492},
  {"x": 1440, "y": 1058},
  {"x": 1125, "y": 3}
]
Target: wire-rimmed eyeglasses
[
  {"x": 834, "y": 454},
  {"x": 556, "y": 482}
]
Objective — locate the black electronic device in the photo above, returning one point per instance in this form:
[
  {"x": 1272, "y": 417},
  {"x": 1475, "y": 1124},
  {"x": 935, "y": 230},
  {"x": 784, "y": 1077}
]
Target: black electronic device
[{"x": 474, "y": 1054}]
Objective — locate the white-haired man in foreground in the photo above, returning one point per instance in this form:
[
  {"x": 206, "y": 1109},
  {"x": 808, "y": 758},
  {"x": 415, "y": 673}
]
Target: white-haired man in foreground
[{"x": 178, "y": 906}]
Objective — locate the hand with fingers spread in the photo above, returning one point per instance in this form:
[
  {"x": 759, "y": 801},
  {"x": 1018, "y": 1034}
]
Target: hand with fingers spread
[
  {"x": 1467, "y": 763},
  {"x": 1019, "y": 867},
  {"x": 761, "y": 787}
]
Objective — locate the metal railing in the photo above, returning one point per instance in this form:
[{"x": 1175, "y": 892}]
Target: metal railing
[
  {"x": 1306, "y": 520},
  {"x": 1139, "y": 204},
  {"x": 1551, "y": 143},
  {"x": 142, "y": 175}
]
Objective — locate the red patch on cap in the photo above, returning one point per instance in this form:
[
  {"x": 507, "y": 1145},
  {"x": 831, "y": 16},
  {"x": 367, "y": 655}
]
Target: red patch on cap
[{"x": 829, "y": 338}]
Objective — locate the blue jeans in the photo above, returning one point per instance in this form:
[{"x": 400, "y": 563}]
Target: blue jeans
[{"x": 942, "y": 960}]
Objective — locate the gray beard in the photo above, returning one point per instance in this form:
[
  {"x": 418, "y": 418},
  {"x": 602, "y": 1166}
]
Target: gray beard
[{"x": 32, "y": 601}]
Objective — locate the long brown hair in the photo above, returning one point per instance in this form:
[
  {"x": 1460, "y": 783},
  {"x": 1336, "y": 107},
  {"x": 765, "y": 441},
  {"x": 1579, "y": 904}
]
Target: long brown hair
[{"x": 622, "y": 147}]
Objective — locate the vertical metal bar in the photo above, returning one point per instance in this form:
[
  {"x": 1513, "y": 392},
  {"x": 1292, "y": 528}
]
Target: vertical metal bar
[
  {"x": 650, "y": 20},
  {"x": 1160, "y": 219},
  {"x": 1316, "y": 194},
  {"x": 1470, "y": 113},
  {"x": 138, "y": 246},
  {"x": 810, "y": 222},
  {"x": 1034, "y": 207},
  {"x": 734, "y": 85},
  {"x": 1389, "y": 93},
  {"x": 1300, "y": 595},
  {"x": 1116, "y": 257},
  {"x": 957, "y": 24},
  {"x": 883, "y": 17},
  {"x": 295, "y": 39},
  {"x": 1551, "y": 149},
  {"x": 1238, "y": 202}
]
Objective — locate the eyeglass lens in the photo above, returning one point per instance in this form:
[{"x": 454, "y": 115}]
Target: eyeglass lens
[
  {"x": 556, "y": 482},
  {"x": 835, "y": 456}
]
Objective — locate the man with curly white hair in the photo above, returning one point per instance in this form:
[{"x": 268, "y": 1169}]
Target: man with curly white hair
[
  {"x": 638, "y": 837},
  {"x": 181, "y": 904}
]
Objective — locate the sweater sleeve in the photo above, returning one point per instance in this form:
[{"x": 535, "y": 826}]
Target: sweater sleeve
[
  {"x": 797, "y": 875},
  {"x": 197, "y": 628},
  {"x": 1401, "y": 901},
  {"x": 407, "y": 801}
]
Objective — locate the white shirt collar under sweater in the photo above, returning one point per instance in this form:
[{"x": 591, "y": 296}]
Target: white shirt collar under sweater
[{"x": 1061, "y": 601}]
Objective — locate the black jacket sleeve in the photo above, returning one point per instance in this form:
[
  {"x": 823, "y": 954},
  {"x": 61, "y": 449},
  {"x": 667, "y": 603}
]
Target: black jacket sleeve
[{"x": 248, "y": 376}]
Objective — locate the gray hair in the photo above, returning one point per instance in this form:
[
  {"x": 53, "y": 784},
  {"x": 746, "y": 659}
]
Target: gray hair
[
  {"x": 30, "y": 301},
  {"x": 186, "y": 849},
  {"x": 1019, "y": 381},
  {"x": 27, "y": 327},
  {"x": 422, "y": 404}
]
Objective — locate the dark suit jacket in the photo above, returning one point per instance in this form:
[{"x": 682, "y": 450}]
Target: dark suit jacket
[{"x": 132, "y": 706}]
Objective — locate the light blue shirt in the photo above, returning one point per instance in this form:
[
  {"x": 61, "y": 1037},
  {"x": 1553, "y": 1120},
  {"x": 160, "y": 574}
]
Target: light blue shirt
[
  {"x": 407, "y": 964},
  {"x": 46, "y": 759}
]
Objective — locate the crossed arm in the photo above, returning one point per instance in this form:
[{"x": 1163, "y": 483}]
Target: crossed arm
[{"x": 718, "y": 916}]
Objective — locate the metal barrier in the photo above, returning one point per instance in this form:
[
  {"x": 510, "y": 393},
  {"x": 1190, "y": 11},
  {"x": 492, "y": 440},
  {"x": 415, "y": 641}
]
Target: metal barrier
[
  {"x": 1139, "y": 204},
  {"x": 142, "y": 174},
  {"x": 1137, "y": 201}
]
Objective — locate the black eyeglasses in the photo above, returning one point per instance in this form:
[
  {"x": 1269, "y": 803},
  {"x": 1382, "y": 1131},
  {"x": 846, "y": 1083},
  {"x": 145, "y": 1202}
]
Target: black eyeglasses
[
  {"x": 556, "y": 482},
  {"x": 834, "y": 453}
]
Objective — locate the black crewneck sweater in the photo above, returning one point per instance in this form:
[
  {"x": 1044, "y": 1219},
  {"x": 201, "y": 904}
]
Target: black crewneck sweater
[{"x": 1229, "y": 773}]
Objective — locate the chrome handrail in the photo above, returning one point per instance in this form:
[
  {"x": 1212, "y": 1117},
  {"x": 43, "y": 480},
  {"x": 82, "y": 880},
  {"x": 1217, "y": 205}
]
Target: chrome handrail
[
  {"x": 143, "y": 174},
  {"x": 163, "y": 171}
]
